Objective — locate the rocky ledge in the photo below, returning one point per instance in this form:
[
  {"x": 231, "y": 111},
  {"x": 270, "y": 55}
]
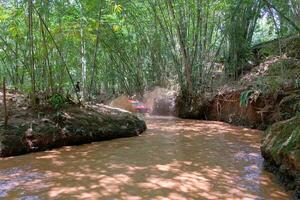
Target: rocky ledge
[
  {"x": 31, "y": 131},
  {"x": 281, "y": 150}
]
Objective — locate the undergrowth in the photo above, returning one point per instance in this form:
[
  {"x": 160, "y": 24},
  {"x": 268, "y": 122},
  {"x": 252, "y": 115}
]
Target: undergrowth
[{"x": 57, "y": 101}]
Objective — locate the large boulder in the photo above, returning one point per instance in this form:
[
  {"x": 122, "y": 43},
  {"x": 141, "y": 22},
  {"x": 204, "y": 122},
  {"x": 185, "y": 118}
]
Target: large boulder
[
  {"x": 71, "y": 126},
  {"x": 281, "y": 150},
  {"x": 12, "y": 140}
]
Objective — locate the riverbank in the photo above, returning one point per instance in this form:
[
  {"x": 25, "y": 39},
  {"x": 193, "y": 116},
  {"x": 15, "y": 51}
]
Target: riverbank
[
  {"x": 32, "y": 130},
  {"x": 277, "y": 115},
  {"x": 266, "y": 98},
  {"x": 257, "y": 100},
  {"x": 281, "y": 151}
]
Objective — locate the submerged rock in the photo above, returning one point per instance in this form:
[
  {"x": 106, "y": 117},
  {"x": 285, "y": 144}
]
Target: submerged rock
[
  {"x": 71, "y": 126},
  {"x": 281, "y": 150}
]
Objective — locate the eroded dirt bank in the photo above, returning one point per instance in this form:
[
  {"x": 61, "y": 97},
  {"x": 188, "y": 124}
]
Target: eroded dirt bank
[{"x": 30, "y": 131}]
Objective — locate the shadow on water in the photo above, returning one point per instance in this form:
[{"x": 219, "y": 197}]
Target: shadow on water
[{"x": 174, "y": 159}]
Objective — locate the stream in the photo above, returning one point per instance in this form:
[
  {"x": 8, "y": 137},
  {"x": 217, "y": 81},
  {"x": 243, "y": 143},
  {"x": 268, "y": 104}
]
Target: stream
[{"x": 175, "y": 159}]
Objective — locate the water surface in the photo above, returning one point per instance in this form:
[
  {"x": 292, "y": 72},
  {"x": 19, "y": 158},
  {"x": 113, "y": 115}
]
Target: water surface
[{"x": 174, "y": 159}]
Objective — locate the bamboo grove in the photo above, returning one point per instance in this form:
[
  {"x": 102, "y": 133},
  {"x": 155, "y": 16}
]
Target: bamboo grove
[{"x": 120, "y": 46}]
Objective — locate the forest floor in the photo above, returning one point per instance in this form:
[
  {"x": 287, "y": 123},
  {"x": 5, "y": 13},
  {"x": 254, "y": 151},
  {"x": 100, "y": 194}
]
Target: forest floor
[{"x": 43, "y": 128}]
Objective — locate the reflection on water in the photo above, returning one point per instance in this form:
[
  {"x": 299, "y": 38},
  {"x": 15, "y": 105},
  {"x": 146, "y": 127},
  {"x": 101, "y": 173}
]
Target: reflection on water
[{"x": 174, "y": 159}]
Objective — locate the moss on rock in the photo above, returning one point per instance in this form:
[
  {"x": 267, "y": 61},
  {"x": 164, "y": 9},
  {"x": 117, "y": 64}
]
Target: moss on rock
[
  {"x": 281, "y": 150},
  {"x": 71, "y": 126}
]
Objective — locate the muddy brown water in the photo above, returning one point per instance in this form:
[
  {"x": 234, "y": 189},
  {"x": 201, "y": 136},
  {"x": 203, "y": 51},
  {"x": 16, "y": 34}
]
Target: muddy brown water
[{"x": 174, "y": 159}]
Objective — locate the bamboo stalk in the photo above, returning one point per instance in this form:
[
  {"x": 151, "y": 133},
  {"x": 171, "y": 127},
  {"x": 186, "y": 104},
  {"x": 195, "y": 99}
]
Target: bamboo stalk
[{"x": 4, "y": 103}]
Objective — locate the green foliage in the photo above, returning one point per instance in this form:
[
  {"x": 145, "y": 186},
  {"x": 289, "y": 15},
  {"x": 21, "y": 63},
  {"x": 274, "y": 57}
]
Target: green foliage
[
  {"x": 249, "y": 96},
  {"x": 283, "y": 73},
  {"x": 245, "y": 97},
  {"x": 129, "y": 46},
  {"x": 284, "y": 137},
  {"x": 57, "y": 101},
  {"x": 297, "y": 83}
]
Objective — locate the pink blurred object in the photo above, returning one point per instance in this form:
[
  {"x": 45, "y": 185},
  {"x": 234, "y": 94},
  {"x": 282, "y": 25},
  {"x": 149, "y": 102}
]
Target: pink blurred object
[{"x": 139, "y": 106}]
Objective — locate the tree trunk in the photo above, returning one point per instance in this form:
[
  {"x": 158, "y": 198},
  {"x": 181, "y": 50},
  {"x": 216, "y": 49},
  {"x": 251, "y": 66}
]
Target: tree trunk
[
  {"x": 183, "y": 51},
  {"x": 94, "y": 67},
  {"x": 83, "y": 63},
  {"x": 31, "y": 51},
  {"x": 291, "y": 22},
  {"x": 82, "y": 54},
  {"x": 4, "y": 103}
]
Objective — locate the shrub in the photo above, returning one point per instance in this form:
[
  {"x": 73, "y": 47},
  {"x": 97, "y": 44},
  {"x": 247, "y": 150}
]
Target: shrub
[{"x": 57, "y": 101}]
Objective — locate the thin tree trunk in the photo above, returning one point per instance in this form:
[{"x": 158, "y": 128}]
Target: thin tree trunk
[
  {"x": 46, "y": 51},
  {"x": 17, "y": 78},
  {"x": 4, "y": 103},
  {"x": 82, "y": 53},
  {"x": 94, "y": 67},
  {"x": 283, "y": 15},
  {"x": 83, "y": 63},
  {"x": 31, "y": 51},
  {"x": 46, "y": 60},
  {"x": 60, "y": 54},
  {"x": 183, "y": 50}
]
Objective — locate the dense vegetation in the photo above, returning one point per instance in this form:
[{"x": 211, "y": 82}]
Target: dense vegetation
[{"x": 121, "y": 46}]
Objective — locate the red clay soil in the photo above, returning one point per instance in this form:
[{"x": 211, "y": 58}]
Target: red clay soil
[
  {"x": 261, "y": 113},
  {"x": 227, "y": 108}
]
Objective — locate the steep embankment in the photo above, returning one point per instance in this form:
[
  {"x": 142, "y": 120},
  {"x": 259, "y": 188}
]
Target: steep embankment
[
  {"x": 31, "y": 130},
  {"x": 268, "y": 93}
]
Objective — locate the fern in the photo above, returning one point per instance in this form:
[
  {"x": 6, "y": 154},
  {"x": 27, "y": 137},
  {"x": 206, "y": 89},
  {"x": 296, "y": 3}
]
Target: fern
[
  {"x": 244, "y": 98},
  {"x": 57, "y": 101}
]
